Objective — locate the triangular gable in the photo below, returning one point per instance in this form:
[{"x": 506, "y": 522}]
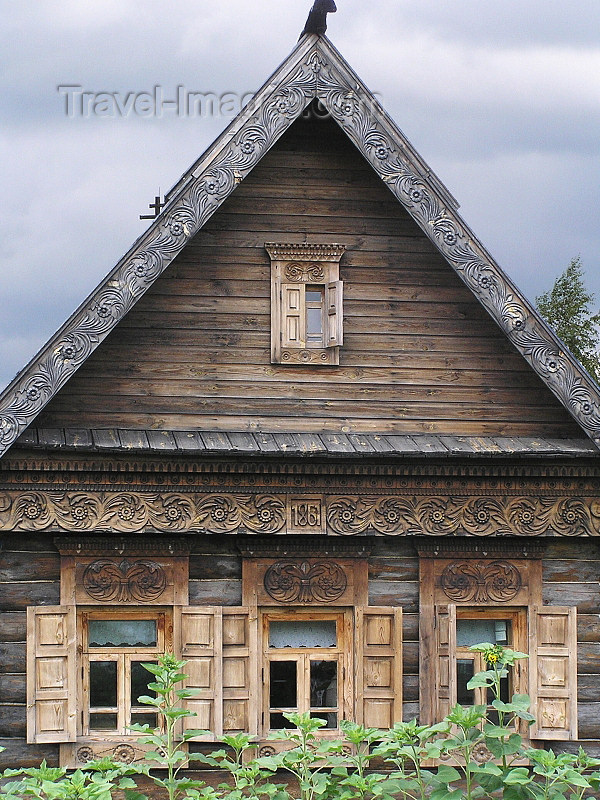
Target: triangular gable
[{"x": 314, "y": 69}]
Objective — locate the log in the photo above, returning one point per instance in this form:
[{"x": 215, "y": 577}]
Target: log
[
  {"x": 12, "y": 657},
  {"x": 13, "y": 626},
  {"x": 13, "y": 688},
  {"x": 17, "y": 753},
  {"x": 17, "y": 596}
]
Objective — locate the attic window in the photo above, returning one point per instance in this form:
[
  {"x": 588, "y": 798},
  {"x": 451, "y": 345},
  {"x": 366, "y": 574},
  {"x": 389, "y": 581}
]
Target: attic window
[{"x": 306, "y": 303}]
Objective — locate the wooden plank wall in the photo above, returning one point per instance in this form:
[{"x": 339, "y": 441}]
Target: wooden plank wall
[
  {"x": 29, "y": 575},
  {"x": 420, "y": 354}
]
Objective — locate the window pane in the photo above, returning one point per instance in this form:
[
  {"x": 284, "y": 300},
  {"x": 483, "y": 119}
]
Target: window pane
[
  {"x": 283, "y": 692},
  {"x": 323, "y": 684},
  {"x": 330, "y": 718},
  {"x": 103, "y": 722},
  {"x": 302, "y": 633},
  {"x": 314, "y": 296},
  {"x": 144, "y": 719},
  {"x": 122, "y": 633},
  {"x": 477, "y": 631},
  {"x": 140, "y": 678},
  {"x": 465, "y": 669},
  {"x": 277, "y": 722},
  {"x": 103, "y": 684},
  {"x": 314, "y": 321}
]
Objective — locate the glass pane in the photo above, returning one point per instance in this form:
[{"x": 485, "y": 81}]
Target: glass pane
[
  {"x": 103, "y": 722},
  {"x": 465, "y": 669},
  {"x": 302, "y": 633},
  {"x": 278, "y": 722},
  {"x": 122, "y": 633},
  {"x": 314, "y": 321},
  {"x": 330, "y": 718},
  {"x": 103, "y": 684},
  {"x": 140, "y": 678},
  {"x": 477, "y": 631},
  {"x": 283, "y": 685},
  {"x": 314, "y": 296},
  {"x": 323, "y": 684},
  {"x": 144, "y": 719}
]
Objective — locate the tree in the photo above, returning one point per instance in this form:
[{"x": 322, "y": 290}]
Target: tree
[{"x": 567, "y": 308}]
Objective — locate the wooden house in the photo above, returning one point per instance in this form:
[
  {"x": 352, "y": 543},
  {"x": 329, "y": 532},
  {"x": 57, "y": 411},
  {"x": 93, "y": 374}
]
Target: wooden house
[{"x": 308, "y": 436}]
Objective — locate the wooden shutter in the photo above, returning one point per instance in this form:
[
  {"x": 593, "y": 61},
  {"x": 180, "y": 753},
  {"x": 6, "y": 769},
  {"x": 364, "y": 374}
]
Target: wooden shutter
[
  {"x": 553, "y": 672},
  {"x": 444, "y": 660},
  {"x": 378, "y": 667},
  {"x": 240, "y": 689},
  {"x": 335, "y": 314},
  {"x": 51, "y": 674},
  {"x": 293, "y": 315},
  {"x": 219, "y": 645}
]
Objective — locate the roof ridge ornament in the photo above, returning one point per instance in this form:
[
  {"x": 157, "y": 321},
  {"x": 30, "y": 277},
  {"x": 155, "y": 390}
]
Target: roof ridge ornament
[{"x": 317, "y": 18}]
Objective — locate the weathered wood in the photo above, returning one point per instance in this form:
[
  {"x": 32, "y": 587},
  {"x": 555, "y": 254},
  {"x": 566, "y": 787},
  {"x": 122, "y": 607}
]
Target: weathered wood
[
  {"x": 583, "y": 595},
  {"x": 215, "y": 567},
  {"x": 13, "y": 625},
  {"x": 17, "y": 753},
  {"x": 13, "y": 688},
  {"x": 401, "y": 569},
  {"x": 17, "y": 596},
  {"x": 22, "y": 567},
  {"x": 12, "y": 656},
  {"x": 573, "y": 570},
  {"x": 216, "y": 592},
  {"x": 13, "y": 720}
]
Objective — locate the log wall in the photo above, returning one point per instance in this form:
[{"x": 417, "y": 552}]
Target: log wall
[
  {"x": 420, "y": 353},
  {"x": 29, "y": 575}
]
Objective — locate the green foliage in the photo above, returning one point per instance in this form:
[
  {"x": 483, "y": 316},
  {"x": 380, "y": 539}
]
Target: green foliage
[
  {"x": 567, "y": 308},
  {"x": 479, "y": 758}
]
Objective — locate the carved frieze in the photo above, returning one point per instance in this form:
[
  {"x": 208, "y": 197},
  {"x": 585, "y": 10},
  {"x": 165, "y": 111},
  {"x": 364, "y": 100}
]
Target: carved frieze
[
  {"x": 346, "y": 515},
  {"x": 302, "y": 581},
  {"x": 474, "y": 582}
]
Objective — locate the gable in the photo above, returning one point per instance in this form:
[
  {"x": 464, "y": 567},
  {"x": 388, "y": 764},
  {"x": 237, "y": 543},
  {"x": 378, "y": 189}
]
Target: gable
[
  {"x": 420, "y": 352},
  {"x": 313, "y": 70}
]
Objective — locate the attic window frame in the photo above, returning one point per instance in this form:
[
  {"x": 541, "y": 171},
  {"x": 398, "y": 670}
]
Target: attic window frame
[{"x": 296, "y": 269}]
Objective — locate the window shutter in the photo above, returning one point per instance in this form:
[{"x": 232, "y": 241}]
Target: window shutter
[
  {"x": 335, "y": 314},
  {"x": 51, "y": 674},
  {"x": 378, "y": 667},
  {"x": 553, "y": 672},
  {"x": 219, "y": 645},
  {"x": 198, "y": 631},
  {"x": 240, "y": 689},
  {"x": 293, "y": 315},
  {"x": 445, "y": 660}
]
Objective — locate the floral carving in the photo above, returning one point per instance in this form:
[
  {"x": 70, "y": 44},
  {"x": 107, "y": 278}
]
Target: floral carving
[
  {"x": 470, "y": 582},
  {"x": 298, "y": 581},
  {"x": 308, "y": 273},
  {"x": 106, "y": 581}
]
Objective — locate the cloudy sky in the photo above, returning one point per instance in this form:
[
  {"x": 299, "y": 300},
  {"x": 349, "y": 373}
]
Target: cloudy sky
[{"x": 501, "y": 98}]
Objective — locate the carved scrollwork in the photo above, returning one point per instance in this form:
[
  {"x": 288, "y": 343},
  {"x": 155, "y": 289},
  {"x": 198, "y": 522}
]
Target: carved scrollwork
[
  {"x": 470, "y": 582},
  {"x": 298, "y": 581},
  {"x": 307, "y": 273},
  {"x": 142, "y": 581}
]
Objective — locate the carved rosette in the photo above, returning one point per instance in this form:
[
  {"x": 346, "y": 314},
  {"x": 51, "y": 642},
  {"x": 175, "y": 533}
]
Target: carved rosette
[
  {"x": 107, "y": 581},
  {"x": 124, "y": 753},
  {"x": 298, "y": 581},
  {"x": 470, "y": 582}
]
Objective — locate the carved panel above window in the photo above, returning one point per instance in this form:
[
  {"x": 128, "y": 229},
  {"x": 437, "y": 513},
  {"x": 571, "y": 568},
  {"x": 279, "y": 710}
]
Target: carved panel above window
[{"x": 304, "y": 581}]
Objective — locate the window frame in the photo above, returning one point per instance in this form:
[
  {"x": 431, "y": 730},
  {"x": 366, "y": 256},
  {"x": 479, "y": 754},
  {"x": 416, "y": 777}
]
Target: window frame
[
  {"x": 341, "y": 652},
  {"x": 124, "y": 657}
]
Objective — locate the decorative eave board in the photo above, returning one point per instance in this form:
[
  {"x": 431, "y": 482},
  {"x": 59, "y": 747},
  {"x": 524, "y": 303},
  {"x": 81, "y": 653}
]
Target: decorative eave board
[{"x": 314, "y": 69}]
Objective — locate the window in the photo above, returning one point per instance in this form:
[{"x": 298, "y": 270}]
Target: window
[
  {"x": 498, "y": 601},
  {"x": 306, "y": 303},
  {"x": 305, "y": 668},
  {"x": 115, "y": 646}
]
